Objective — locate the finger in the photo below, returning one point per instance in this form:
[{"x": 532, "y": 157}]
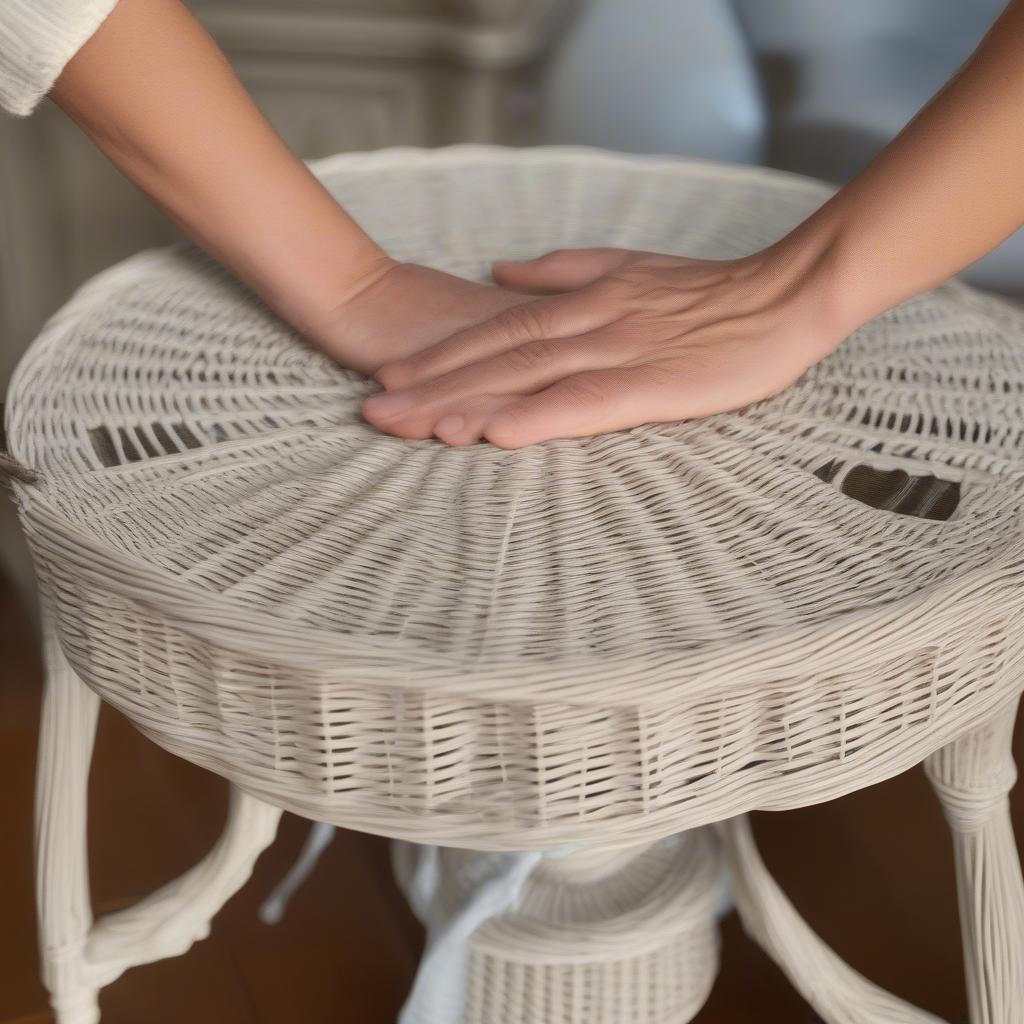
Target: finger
[
  {"x": 463, "y": 427},
  {"x": 557, "y": 317},
  {"x": 593, "y": 402},
  {"x": 522, "y": 370},
  {"x": 467, "y": 425},
  {"x": 458, "y": 429},
  {"x": 559, "y": 271}
]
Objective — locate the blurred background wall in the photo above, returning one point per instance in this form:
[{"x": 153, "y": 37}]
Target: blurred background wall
[{"x": 811, "y": 86}]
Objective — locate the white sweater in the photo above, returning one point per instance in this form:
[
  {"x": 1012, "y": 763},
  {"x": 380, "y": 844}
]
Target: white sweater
[{"x": 37, "y": 38}]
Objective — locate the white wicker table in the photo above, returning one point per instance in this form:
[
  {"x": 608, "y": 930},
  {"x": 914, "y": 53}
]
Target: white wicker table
[{"x": 608, "y": 649}]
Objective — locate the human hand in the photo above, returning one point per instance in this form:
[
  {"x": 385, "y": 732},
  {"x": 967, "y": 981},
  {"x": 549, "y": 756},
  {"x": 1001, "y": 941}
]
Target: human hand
[
  {"x": 399, "y": 309},
  {"x": 635, "y": 337}
]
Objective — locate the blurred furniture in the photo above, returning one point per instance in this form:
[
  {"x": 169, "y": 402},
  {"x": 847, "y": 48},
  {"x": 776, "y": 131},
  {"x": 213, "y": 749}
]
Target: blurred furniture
[
  {"x": 655, "y": 77},
  {"x": 574, "y": 657}
]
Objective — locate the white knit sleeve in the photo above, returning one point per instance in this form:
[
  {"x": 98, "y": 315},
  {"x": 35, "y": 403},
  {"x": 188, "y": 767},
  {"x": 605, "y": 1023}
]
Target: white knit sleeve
[{"x": 37, "y": 38}]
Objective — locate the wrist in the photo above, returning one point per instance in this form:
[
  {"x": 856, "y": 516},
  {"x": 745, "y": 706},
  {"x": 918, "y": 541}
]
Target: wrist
[
  {"x": 313, "y": 289},
  {"x": 809, "y": 270}
]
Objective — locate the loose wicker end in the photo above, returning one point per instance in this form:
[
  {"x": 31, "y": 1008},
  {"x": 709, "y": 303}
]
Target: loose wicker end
[{"x": 13, "y": 470}]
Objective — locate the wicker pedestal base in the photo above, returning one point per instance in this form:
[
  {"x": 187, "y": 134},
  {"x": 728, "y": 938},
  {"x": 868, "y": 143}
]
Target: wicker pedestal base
[{"x": 598, "y": 936}]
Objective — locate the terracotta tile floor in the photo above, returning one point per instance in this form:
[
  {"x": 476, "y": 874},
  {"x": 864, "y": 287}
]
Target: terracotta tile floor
[{"x": 347, "y": 948}]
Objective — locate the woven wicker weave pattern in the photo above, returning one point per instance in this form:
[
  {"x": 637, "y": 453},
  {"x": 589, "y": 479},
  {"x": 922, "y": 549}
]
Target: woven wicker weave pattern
[
  {"x": 601, "y": 641},
  {"x": 620, "y": 941},
  {"x": 509, "y": 648}
]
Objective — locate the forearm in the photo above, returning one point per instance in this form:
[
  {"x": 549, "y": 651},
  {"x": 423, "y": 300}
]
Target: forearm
[
  {"x": 948, "y": 189},
  {"x": 155, "y": 93}
]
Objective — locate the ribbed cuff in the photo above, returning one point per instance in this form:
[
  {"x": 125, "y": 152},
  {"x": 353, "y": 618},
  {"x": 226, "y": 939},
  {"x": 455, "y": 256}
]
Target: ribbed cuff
[{"x": 37, "y": 38}]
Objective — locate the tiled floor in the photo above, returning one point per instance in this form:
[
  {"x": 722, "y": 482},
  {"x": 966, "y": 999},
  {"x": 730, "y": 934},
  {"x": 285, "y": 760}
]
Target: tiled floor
[{"x": 872, "y": 872}]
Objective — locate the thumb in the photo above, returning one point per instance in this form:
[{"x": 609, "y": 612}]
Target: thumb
[{"x": 560, "y": 271}]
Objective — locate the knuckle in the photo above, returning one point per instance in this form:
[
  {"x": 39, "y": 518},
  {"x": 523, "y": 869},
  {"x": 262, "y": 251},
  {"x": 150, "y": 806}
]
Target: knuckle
[
  {"x": 525, "y": 320},
  {"x": 438, "y": 389},
  {"x": 528, "y": 358},
  {"x": 613, "y": 289},
  {"x": 632, "y": 272}
]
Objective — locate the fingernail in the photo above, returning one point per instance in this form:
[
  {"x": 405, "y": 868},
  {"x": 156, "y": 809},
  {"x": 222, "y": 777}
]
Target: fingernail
[
  {"x": 388, "y": 405},
  {"x": 449, "y": 425}
]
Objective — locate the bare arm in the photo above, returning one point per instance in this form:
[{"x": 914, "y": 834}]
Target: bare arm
[
  {"x": 948, "y": 189},
  {"x": 155, "y": 93},
  {"x": 641, "y": 337}
]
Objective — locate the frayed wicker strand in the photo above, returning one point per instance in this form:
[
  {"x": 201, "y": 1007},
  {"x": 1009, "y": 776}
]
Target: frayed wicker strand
[{"x": 12, "y": 470}]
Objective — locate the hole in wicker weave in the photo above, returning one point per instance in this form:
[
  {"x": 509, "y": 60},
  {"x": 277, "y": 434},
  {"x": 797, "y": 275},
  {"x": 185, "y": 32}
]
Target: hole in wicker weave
[
  {"x": 135, "y": 444},
  {"x": 131, "y": 453},
  {"x": 829, "y": 470},
  {"x": 188, "y": 438},
  {"x": 148, "y": 447},
  {"x": 103, "y": 445},
  {"x": 164, "y": 438},
  {"x": 894, "y": 490}
]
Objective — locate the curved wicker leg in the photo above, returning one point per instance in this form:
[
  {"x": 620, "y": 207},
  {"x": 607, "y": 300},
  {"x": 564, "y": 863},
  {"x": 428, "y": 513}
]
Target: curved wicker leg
[
  {"x": 79, "y": 957},
  {"x": 319, "y": 838},
  {"x": 836, "y": 991},
  {"x": 167, "y": 922},
  {"x": 972, "y": 777},
  {"x": 66, "y": 737}
]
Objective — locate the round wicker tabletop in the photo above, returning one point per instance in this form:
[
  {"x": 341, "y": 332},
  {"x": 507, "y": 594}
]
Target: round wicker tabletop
[{"x": 610, "y": 639}]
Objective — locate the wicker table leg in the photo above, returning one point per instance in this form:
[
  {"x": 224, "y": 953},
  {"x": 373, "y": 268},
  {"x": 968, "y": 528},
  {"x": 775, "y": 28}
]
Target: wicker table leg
[
  {"x": 973, "y": 777},
  {"x": 67, "y": 732},
  {"x": 836, "y": 991},
  {"x": 78, "y": 957}
]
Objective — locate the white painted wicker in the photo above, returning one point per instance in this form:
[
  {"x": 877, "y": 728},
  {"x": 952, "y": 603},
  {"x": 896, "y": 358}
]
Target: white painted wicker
[
  {"x": 599, "y": 641},
  {"x": 602, "y": 936}
]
